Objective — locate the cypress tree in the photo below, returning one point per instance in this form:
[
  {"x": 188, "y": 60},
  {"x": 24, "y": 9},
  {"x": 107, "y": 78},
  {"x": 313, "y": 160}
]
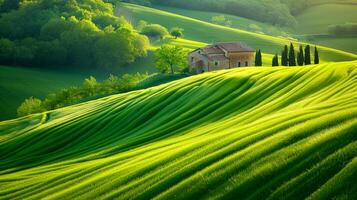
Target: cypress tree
[
  {"x": 300, "y": 59},
  {"x": 307, "y": 55},
  {"x": 292, "y": 60},
  {"x": 284, "y": 56},
  {"x": 317, "y": 59},
  {"x": 275, "y": 61},
  {"x": 258, "y": 58}
]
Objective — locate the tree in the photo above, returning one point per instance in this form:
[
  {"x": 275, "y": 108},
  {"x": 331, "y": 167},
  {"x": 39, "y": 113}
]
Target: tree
[
  {"x": 292, "y": 60},
  {"x": 300, "y": 58},
  {"x": 284, "y": 56},
  {"x": 258, "y": 58},
  {"x": 90, "y": 85},
  {"x": 30, "y": 106},
  {"x": 154, "y": 31},
  {"x": 275, "y": 61},
  {"x": 221, "y": 20},
  {"x": 176, "y": 32},
  {"x": 168, "y": 57},
  {"x": 317, "y": 59},
  {"x": 307, "y": 59},
  {"x": 8, "y": 5}
]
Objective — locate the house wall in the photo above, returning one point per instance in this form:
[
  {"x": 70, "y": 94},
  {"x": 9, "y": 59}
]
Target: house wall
[
  {"x": 198, "y": 62},
  {"x": 241, "y": 57},
  {"x": 220, "y": 65}
]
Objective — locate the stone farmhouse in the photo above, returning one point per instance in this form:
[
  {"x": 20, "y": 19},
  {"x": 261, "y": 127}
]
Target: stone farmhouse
[{"x": 219, "y": 56}]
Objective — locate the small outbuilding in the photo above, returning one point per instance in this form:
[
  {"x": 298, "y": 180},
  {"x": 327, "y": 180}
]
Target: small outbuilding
[{"x": 219, "y": 56}]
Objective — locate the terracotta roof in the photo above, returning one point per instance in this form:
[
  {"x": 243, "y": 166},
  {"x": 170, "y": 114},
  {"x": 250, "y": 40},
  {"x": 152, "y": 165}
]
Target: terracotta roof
[
  {"x": 234, "y": 47},
  {"x": 217, "y": 57},
  {"x": 219, "y": 48},
  {"x": 212, "y": 49}
]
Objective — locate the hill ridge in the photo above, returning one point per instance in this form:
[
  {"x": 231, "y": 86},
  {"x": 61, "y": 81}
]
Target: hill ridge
[{"x": 250, "y": 132}]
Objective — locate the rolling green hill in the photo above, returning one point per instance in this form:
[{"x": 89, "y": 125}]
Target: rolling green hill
[
  {"x": 316, "y": 19},
  {"x": 19, "y": 83},
  {"x": 249, "y": 133},
  {"x": 206, "y": 32}
]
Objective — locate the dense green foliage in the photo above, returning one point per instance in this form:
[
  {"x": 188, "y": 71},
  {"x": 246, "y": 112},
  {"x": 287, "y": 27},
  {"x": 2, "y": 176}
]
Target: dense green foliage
[
  {"x": 258, "y": 58},
  {"x": 252, "y": 133},
  {"x": 60, "y": 32},
  {"x": 29, "y": 106},
  {"x": 307, "y": 58},
  {"x": 176, "y": 32},
  {"x": 168, "y": 58},
  {"x": 152, "y": 30},
  {"x": 275, "y": 60},
  {"x": 284, "y": 56},
  {"x": 343, "y": 29},
  {"x": 90, "y": 89},
  {"x": 316, "y": 56},
  {"x": 300, "y": 56},
  {"x": 292, "y": 56},
  {"x": 221, "y": 20}
]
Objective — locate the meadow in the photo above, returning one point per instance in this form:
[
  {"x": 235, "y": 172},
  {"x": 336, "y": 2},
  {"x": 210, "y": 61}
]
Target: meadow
[
  {"x": 248, "y": 133},
  {"x": 311, "y": 21},
  {"x": 19, "y": 83},
  {"x": 206, "y": 32},
  {"x": 316, "y": 20}
]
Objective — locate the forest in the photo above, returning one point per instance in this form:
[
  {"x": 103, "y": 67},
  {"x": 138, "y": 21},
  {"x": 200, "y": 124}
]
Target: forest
[{"x": 57, "y": 33}]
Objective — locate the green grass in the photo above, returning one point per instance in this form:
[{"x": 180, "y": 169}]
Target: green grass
[
  {"x": 316, "y": 19},
  {"x": 252, "y": 133},
  {"x": 19, "y": 83},
  {"x": 237, "y": 22},
  {"x": 205, "y": 32},
  {"x": 348, "y": 44}
]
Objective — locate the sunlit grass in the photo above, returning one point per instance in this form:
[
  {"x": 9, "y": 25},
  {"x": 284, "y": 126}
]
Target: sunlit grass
[
  {"x": 254, "y": 133},
  {"x": 205, "y": 32}
]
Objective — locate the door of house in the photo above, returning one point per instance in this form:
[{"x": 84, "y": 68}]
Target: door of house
[{"x": 238, "y": 64}]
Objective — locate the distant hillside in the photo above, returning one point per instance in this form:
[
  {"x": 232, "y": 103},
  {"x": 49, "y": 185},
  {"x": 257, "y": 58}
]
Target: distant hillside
[
  {"x": 278, "y": 12},
  {"x": 252, "y": 133},
  {"x": 207, "y": 32}
]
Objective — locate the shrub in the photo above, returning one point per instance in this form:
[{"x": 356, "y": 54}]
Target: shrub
[
  {"x": 221, "y": 20},
  {"x": 30, "y": 106},
  {"x": 343, "y": 29},
  {"x": 154, "y": 31},
  {"x": 176, "y": 32}
]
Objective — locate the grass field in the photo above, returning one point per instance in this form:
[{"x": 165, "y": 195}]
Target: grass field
[
  {"x": 201, "y": 31},
  {"x": 249, "y": 133},
  {"x": 316, "y": 19},
  {"x": 19, "y": 83},
  {"x": 237, "y": 22}
]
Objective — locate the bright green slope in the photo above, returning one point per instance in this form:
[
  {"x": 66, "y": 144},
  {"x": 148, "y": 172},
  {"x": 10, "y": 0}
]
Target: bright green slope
[
  {"x": 249, "y": 133},
  {"x": 206, "y": 32}
]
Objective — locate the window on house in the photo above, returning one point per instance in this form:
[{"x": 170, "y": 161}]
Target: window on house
[
  {"x": 246, "y": 63},
  {"x": 216, "y": 63},
  {"x": 191, "y": 59},
  {"x": 238, "y": 64}
]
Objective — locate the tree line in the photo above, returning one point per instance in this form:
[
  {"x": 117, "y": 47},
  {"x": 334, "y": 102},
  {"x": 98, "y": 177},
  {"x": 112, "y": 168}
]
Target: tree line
[
  {"x": 288, "y": 56},
  {"x": 93, "y": 89},
  {"x": 80, "y": 33}
]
